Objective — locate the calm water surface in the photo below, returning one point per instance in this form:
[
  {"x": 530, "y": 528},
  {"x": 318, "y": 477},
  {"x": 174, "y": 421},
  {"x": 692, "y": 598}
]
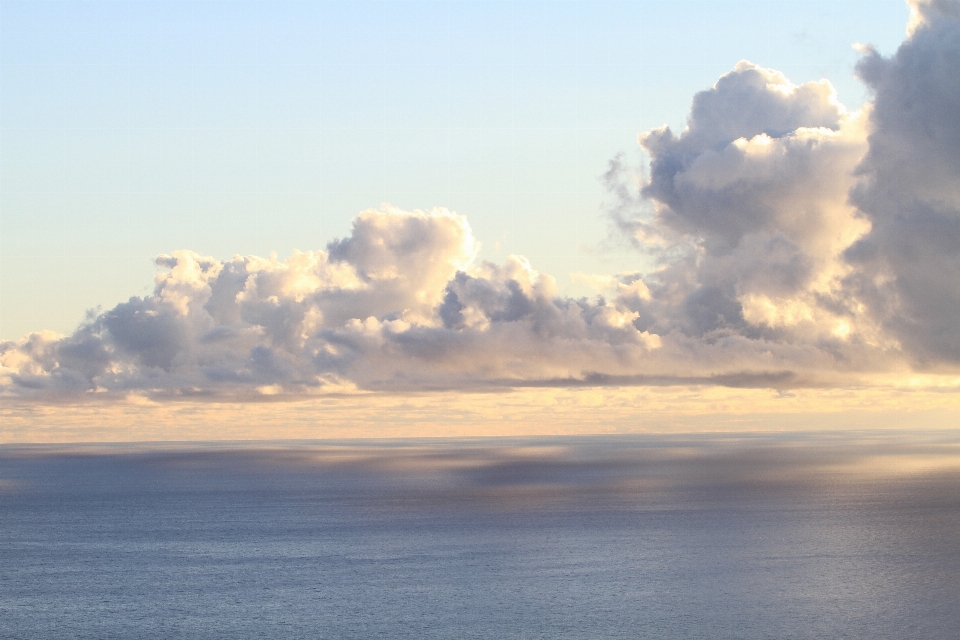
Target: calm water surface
[{"x": 735, "y": 536}]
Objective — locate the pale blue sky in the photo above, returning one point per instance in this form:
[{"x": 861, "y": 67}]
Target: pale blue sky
[{"x": 129, "y": 129}]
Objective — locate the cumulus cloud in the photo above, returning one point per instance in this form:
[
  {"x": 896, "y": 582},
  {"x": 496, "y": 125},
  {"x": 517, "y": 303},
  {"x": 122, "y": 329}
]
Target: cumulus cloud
[
  {"x": 400, "y": 303},
  {"x": 796, "y": 244},
  {"x": 907, "y": 268},
  {"x": 780, "y": 219},
  {"x": 750, "y": 204}
]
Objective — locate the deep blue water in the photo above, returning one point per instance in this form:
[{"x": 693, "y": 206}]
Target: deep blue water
[{"x": 731, "y": 536}]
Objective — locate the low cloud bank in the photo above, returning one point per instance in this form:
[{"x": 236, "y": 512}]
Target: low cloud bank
[
  {"x": 400, "y": 303},
  {"x": 797, "y": 244}
]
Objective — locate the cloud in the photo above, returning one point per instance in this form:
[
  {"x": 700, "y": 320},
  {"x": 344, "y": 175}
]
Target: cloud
[
  {"x": 750, "y": 205},
  {"x": 722, "y": 177},
  {"x": 400, "y": 303},
  {"x": 907, "y": 268},
  {"x": 778, "y": 218},
  {"x": 796, "y": 245}
]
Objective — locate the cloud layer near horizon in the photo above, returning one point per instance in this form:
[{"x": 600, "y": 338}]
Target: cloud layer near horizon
[{"x": 797, "y": 244}]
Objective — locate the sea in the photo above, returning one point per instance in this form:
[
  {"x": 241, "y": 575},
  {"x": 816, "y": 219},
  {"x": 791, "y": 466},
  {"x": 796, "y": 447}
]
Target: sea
[{"x": 738, "y": 535}]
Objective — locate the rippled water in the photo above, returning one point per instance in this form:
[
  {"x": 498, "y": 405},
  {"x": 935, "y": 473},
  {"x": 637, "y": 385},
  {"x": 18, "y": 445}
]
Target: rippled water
[{"x": 761, "y": 536}]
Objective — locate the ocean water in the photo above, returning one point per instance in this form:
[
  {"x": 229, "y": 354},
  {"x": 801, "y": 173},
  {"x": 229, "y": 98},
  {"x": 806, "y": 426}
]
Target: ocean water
[{"x": 812, "y": 535}]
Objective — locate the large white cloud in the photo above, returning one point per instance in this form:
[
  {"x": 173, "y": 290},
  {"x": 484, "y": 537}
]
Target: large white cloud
[
  {"x": 399, "y": 303},
  {"x": 751, "y": 211},
  {"x": 796, "y": 244},
  {"x": 779, "y": 219}
]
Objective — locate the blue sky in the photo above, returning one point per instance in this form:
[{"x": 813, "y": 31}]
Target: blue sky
[{"x": 131, "y": 129}]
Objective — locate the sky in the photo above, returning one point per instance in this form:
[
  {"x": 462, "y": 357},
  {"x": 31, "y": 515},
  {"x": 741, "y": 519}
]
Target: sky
[{"x": 228, "y": 220}]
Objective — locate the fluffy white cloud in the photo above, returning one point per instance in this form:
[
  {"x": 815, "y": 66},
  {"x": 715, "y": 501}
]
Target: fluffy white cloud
[
  {"x": 399, "y": 303},
  {"x": 783, "y": 222},
  {"x": 796, "y": 244},
  {"x": 750, "y": 206}
]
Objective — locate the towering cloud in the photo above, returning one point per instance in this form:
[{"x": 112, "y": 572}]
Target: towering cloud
[
  {"x": 753, "y": 197},
  {"x": 797, "y": 244},
  {"x": 907, "y": 268}
]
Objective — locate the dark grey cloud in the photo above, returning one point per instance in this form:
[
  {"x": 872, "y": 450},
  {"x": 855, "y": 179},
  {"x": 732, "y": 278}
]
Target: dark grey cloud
[{"x": 907, "y": 268}]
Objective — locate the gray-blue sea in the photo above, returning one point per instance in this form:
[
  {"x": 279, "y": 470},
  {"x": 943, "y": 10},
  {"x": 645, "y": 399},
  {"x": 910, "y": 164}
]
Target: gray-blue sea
[{"x": 788, "y": 535}]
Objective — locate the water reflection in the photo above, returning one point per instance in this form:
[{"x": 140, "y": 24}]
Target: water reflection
[{"x": 798, "y": 535}]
